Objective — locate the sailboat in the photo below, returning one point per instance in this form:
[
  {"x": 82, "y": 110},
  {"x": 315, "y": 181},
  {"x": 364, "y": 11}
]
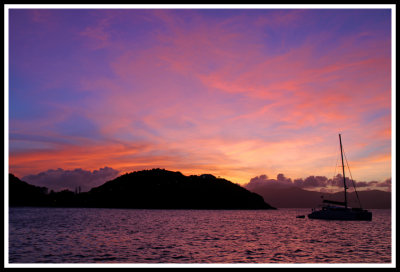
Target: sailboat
[{"x": 338, "y": 210}]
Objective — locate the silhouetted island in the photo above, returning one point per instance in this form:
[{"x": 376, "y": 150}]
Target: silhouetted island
[{"x": 146, "y": 189}]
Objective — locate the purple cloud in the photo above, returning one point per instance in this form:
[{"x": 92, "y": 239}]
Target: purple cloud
[
  {"x": 61, "y": 179},
  {"x": 320, "y": 183},
  {"x": 264, "y": 181}
]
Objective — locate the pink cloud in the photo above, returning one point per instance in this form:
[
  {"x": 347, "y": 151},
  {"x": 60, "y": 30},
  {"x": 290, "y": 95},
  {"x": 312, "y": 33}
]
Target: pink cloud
[{"x": 208, "y": 94}]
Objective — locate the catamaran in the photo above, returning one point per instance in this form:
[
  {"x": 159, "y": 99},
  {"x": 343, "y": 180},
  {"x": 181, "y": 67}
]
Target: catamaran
[{"x": 337, "y": 210}]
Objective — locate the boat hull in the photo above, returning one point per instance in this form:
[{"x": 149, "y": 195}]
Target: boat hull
[{"x": 343, "y": 214}]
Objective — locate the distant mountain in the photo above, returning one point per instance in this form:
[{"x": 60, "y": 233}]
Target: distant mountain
[
  {"x": 370, "y": 199},
  {"x": 295, "y": 197},
  {"x": 147, "y": 189}
]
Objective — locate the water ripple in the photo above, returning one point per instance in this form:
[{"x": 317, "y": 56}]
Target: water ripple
[{"x": 43, "y": 235}]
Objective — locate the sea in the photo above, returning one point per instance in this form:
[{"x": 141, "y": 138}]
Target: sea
[{"x": 129, "y": 236}]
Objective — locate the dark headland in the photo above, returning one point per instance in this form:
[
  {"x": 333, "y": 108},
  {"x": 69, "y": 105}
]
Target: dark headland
[{"x": 146, "y": 189}]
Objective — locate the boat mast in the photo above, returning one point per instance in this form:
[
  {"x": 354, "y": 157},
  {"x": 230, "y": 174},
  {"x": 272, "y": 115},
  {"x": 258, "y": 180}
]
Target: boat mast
[{"x": 344, "y": 178}]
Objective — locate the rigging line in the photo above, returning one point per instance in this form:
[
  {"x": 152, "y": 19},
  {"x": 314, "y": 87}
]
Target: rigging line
[
  {"x": 336, "y": 166},
  {"x": 352, "y": 180}
]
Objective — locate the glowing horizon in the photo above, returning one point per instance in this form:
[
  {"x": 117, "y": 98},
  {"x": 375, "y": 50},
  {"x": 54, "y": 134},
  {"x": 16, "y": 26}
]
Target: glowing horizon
[{"x": 231, "y": 92}]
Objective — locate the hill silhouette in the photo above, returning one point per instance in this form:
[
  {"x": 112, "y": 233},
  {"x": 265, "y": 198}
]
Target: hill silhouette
[
  {"x": 146, "y": 189},
  {"x": 24, "y": 194},
  {"x": 162, "y": 189}
]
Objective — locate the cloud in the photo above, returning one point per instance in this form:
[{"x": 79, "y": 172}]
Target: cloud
[
  {"x": 383, "y": 185},
  {"x": 60, "y": 179},
  {"x": 315, "y": 183},
  {"x": 264, "y": 181},
  {"x": 97, "y": 35},
  {"x": 189, "y": 90}
]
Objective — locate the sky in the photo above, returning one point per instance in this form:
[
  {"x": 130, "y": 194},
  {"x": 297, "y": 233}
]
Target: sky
[{"x": 236, "y": 93}]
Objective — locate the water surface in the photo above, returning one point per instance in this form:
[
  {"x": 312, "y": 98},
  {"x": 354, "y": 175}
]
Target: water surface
[{"x": 84, "y": 235}]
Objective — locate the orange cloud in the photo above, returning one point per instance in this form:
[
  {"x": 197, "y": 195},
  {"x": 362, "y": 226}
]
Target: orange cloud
[{"x": 191, "y": 93}]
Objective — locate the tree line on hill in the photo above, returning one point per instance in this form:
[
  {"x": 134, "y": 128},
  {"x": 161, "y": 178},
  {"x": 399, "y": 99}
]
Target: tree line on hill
[{"x": 146, "y": 189}]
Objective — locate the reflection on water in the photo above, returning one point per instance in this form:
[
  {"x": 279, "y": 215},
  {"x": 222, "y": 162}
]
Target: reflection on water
[{"x": 71, "y": 235}]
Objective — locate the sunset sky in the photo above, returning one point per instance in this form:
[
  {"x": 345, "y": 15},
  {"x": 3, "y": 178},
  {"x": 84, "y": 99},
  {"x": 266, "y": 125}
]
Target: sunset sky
[{"x": 236, "y": 93}]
